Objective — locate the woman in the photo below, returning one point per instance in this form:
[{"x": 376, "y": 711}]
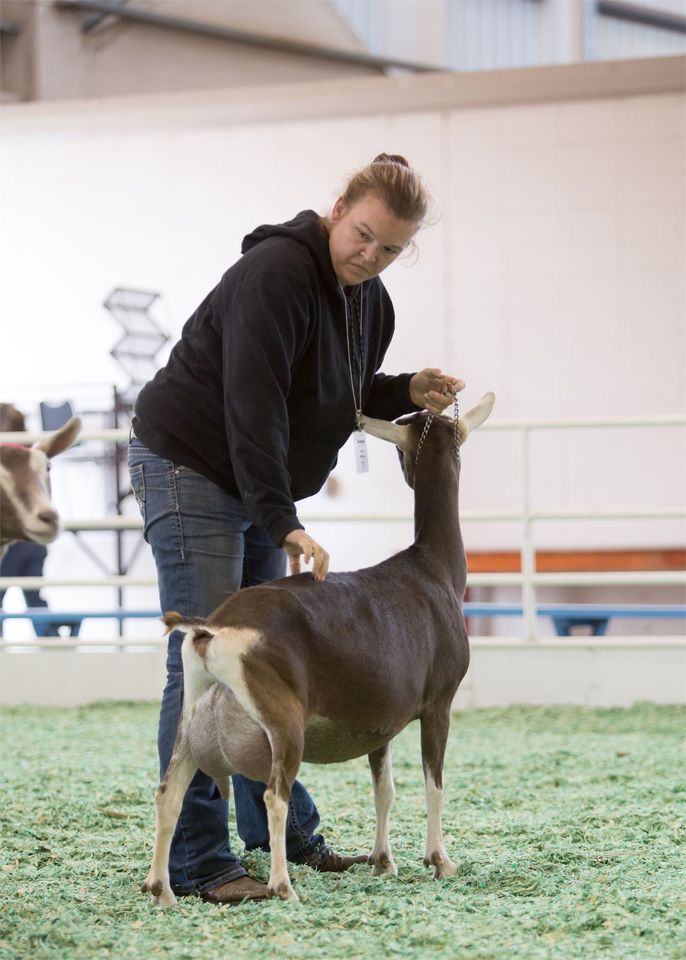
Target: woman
[{"x": 257, "y": 398}]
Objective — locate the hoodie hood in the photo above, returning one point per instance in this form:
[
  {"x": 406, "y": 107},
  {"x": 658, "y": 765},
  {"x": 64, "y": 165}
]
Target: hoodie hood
[{"x": 306, "y": 228}]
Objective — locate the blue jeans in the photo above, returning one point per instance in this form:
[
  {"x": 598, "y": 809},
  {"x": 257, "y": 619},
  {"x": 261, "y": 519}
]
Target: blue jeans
[
  {"x": 205, "y": 549},
  {"x": 25, "y": 559}
]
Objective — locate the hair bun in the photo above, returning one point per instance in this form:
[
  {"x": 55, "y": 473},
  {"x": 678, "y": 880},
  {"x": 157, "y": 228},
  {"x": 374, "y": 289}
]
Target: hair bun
[
  {"x": 395, "y": 183},
  {"x": 391, "y": 158}
]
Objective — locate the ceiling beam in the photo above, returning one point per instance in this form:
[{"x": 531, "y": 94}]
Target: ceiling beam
[
  {"x": 111, "y": 8},
  {"x": 643, "y": 16}
]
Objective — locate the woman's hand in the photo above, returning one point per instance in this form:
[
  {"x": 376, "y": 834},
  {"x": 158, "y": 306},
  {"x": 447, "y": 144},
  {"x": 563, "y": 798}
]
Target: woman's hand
[
  {"x": 433, "y": 389},
  {"x": 298, "y": 544}
]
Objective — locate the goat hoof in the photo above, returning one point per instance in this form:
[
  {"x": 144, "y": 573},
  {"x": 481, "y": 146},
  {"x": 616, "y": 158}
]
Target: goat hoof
[
  {"x": 384, "y": 867},
  {"x": 161, "y": 894},
  {"x": 443, "y": 866},
  {"x": 165, "y": 899},
  {"x": 285, "y": 892}
]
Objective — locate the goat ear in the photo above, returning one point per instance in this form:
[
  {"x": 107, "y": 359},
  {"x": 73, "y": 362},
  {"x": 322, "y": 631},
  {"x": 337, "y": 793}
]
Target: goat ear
[
  {"x": 61, "y": 439},
  {"x": 393, "y": 432},
  {"x": 475, "y": 417}
]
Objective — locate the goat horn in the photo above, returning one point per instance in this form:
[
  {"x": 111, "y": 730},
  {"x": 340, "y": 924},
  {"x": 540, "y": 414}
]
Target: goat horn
[
  {"x": 475, "y": 417},
  {"x": 394, "y": 432}
]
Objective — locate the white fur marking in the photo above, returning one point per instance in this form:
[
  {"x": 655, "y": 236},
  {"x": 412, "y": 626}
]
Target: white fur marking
[
  {"x": 224, "y": 661},
  {"x": 279, "y": 881},
  {"x": 434, "y": 831},
  {"x": 384, "y": 796}
]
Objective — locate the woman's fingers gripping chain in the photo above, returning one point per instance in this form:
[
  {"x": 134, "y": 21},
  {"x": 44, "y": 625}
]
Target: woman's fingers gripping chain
[{"x": 434, "y": 390}]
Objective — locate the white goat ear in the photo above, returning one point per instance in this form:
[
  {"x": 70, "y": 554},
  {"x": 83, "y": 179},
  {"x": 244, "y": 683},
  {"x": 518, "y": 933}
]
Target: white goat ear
[
  {"x": 61, "y": 439},
  {"x": 475, "y": 417},
  {"x": 393, "y": 432}
]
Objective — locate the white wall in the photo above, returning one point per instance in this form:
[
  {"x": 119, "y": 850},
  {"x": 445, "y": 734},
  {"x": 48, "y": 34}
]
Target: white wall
[
  {"x": 602, "y": 673},
  {"x": 555, "y": 275}
]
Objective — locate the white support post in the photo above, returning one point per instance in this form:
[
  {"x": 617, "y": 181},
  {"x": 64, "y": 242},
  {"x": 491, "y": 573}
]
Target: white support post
[{"x": 528, "y": 548}]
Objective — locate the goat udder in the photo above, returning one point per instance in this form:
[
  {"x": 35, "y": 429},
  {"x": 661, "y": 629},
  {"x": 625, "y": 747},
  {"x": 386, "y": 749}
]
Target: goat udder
[{"x": 224, "y": 739}]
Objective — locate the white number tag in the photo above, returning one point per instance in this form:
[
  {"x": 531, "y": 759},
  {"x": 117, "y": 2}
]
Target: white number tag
[{"x": 361, "y": 458}]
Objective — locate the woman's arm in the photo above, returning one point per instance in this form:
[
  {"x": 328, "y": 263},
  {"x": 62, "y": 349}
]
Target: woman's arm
[{"x": 265, "y": 329}]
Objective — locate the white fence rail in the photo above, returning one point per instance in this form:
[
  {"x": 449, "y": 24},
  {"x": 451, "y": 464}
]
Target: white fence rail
[{"x": 529, "y": 579}]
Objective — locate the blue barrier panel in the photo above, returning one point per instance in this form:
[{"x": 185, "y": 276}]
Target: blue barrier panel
[
  {"x": 578, "y": 611},
  {"x": 564, "y": 615},
  {"x": 41, "y": 615}
]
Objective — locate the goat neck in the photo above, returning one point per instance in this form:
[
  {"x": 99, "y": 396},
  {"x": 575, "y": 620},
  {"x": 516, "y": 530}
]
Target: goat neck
[{"x": 435, "y": 478}]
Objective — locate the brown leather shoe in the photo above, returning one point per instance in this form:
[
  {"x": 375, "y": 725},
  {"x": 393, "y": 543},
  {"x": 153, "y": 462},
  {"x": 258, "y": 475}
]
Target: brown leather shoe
[
  {"x": 236, "y": 891},
  {"x": 332, "y": 862}
]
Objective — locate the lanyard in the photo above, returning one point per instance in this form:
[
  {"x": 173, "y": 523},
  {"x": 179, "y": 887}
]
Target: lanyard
[{"x": 357, "y": 400}]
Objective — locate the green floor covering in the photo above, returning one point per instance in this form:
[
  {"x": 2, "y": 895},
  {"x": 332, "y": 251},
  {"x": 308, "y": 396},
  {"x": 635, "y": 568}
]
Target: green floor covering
[{"x": 567, "y": 826}]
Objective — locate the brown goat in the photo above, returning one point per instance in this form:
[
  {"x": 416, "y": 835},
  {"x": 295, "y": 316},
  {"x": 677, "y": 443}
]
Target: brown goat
[
  {"x": 26, "y": 512},
  {"x": 297, "y": 670}
]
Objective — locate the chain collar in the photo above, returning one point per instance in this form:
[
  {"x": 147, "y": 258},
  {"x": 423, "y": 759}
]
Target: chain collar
[
  {"x": 456, "y": 431},
  {"x": 427, "y": 425}
]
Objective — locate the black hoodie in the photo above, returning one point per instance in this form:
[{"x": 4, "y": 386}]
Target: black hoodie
[{"x": 256, "y": 394}]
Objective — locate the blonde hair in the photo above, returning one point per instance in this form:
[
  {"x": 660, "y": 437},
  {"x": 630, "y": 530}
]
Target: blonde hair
[{"x": 394, "y": 181}]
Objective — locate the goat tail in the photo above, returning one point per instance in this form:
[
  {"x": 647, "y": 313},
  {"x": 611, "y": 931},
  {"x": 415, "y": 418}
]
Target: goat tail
[
  {"x": 194, "y": 627},
  {"x": 175, "y": 621}
]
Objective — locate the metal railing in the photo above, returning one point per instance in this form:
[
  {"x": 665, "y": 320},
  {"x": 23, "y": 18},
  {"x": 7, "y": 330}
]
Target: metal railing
[{"x": 529, "y": 579}]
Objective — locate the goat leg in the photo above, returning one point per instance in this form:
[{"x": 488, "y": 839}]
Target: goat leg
[
  {"x": 435, "y": 726},
  {"x": 277, "y": 812},
  {"x": 168, "y": 799},
  {"x": 380, "y": 763},
  {"x": 287, "y": 743}
]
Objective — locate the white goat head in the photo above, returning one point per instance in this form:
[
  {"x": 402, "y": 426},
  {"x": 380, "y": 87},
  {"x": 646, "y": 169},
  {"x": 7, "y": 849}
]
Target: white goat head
[{"x": 26, "y": 512}]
